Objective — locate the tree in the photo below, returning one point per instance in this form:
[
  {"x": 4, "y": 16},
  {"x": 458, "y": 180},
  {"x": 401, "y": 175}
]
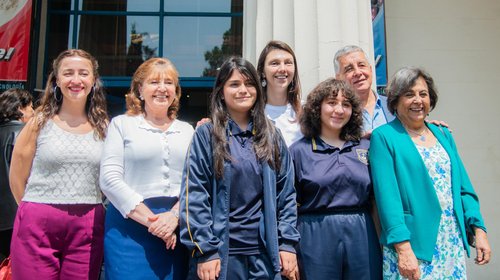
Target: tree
[
  {"x": 137, "y": 53},
  {"x": 231, "y": 45}
]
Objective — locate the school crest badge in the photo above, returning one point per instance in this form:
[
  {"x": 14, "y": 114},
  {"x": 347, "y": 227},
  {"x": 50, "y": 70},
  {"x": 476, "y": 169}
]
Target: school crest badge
[{"x": 362, "y": 155}]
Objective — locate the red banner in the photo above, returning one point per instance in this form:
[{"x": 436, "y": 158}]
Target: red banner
[{"x": 15, "y": 25}]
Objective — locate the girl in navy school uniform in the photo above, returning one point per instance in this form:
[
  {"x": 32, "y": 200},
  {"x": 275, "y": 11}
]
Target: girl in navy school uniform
[
  {"x": 338, "y": 237},
  {"x": 237, "y": 204}
]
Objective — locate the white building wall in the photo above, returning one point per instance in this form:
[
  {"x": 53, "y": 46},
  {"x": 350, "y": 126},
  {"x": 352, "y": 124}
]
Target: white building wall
[
  {"x": 315, "y": 29},
  {"x": 458, "y": 42}
]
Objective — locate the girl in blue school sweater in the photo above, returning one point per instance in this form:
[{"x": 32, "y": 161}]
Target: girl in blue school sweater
[{"x": 237, "y": 203}]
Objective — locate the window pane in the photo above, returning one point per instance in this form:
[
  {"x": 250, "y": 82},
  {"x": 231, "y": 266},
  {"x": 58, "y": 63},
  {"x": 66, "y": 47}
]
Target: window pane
[
  {"x": 57, "y": 37},
  {"x": 219, "y": 6},
  {"x": 198, "y": 45},
  {"x": 61, "y": 4},
  {"x": 120, "y": 43},
  {"x": 115, "y": 99},
  {"x": 120, "y": 5},
  {"x": 194, "y": 104}
]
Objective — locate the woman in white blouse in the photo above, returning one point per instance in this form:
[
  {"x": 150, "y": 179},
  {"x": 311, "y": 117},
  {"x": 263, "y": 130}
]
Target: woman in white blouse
[{"x": 141, "y": 172}]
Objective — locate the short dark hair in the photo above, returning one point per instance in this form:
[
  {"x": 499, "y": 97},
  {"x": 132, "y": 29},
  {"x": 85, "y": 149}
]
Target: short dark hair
[
  {"x": 310, "y": 121},
  {"x": 11, "y": 101},
  {"x": 403, "y": 80}
]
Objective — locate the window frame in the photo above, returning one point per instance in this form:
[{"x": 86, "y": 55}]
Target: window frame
[{"x": 124, "y": 81}]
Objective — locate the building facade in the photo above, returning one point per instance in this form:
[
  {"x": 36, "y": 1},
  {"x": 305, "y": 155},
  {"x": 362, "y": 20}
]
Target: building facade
[
  {"x": 456, "y": 41},
  {"x": 195, "y": 35}
]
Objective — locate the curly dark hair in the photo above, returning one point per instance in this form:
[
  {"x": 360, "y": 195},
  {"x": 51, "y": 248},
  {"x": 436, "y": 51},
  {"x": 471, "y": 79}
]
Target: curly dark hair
[
  {"x": 266, "y": 139},
  {"x": 151, "y": 66},
  {"x": 11, "y": 101},
  {"x": 310, "y": 121},
  {"x": 95, "y": 107}
]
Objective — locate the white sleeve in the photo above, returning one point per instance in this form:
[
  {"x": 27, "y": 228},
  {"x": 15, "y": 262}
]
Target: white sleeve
[{"x": 121, "y": 195}]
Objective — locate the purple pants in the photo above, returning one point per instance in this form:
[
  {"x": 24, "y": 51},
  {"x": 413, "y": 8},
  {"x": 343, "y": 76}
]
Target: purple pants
[{"x": 57, "y": 241}]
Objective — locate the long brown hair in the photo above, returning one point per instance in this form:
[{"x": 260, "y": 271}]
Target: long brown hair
[
  {"x": 266, "y": 141},
  {"x": 293, "y": 94},
  {"x": 135, "y": 105},
  {"x": 95, "y": 108}
]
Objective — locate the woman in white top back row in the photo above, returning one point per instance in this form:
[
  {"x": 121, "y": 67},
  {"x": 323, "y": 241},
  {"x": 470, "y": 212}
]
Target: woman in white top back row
[
  {"x": 277, "y": 67},
  {"x": 141, "y": 170}
]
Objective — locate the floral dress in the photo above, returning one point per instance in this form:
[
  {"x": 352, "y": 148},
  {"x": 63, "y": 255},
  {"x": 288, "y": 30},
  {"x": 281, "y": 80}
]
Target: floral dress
[{"x": 448, "y": 261}]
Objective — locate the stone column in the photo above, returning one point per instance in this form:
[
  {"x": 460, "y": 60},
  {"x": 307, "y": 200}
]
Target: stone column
[{"x": 315, "y": 29}]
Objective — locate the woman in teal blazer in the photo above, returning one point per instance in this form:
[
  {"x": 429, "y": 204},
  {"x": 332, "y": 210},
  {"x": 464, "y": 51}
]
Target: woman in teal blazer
[{"x": 426, "y": 202}]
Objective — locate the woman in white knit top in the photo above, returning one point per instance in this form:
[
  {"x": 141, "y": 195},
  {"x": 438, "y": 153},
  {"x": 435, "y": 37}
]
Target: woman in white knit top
[{"x": 58, "y": 231}]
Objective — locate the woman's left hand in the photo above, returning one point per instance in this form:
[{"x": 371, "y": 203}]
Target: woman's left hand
[
  {"x": 407, "y": 261},
  {"x": 289, "y": 268},
  {"x": 483, "y": 250},
  {"x": 163, "y": 225}
]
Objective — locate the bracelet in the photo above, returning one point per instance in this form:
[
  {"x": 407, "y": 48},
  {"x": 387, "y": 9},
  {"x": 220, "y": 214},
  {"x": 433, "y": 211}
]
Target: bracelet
[{"x": 175, "y": 213}]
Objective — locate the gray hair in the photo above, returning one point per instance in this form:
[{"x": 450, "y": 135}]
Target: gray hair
[
  {"x": 403, "y": 80},
  {"x": 343, "y": 52}
]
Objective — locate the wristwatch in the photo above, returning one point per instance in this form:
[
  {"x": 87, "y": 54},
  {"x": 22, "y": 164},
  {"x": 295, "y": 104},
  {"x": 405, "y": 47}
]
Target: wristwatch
[{"x": 175, "y": 213}]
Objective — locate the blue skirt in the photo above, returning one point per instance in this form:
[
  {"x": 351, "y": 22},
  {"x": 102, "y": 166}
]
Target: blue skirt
[{"x": 131, "y": 252}]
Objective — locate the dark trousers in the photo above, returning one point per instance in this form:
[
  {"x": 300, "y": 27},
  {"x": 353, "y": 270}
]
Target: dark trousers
[
  {"x": 241, "y": 267},
  {"x": 338, "y": 246}
]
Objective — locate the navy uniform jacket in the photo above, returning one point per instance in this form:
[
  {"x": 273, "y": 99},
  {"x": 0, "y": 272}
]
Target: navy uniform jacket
[{"x": 204, "y": 205}]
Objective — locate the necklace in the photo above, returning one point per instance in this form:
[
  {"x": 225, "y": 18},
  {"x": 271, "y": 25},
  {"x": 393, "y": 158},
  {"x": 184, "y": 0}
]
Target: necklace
[{"x": 419, "y": 134}]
